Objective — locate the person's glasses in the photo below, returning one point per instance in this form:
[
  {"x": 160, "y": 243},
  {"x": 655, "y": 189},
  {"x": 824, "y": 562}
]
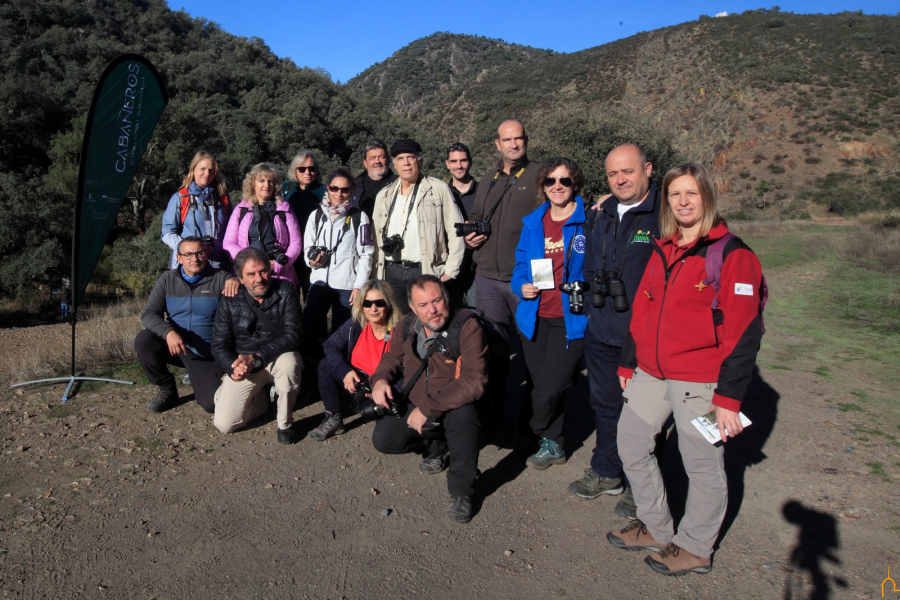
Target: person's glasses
[
  {"x": 189, "y": 255},
  {"x": 380, "y": 303},
  {"x": 303, "y": 169},
  {"x": 458, "y": 147},
  {"x": 563, "y": 181},
  {"x": 335, "y": 189}
]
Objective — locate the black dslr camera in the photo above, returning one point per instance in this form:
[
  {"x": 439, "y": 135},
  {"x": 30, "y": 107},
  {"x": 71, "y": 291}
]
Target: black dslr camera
[
  {"x": 609, "y": 283},
  {"x": 314, "y": 251},
  {"x": 481, "y": 227},
  {"x": 366, "y": 407},
  {"x": 392, "y": 246},
  {"x": 575, "y": 290},
  {"x": 277, "y": 254}
]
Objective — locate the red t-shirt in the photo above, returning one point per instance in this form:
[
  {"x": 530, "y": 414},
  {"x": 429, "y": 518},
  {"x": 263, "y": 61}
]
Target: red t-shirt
[
  {"x": 368, "y": 351},
  {"x": 551, "y": 300}
]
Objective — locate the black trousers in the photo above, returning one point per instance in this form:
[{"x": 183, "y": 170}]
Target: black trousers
[
  {"x": 397, "y": 276},
  {"x": 458, "y": 429},
  {"x": 153, "y": 354},
  {"x": 553, "y": 367}
]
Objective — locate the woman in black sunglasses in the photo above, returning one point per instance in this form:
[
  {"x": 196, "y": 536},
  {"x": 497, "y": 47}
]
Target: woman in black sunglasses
[
  {"x": 304, "y": 192},
  {"x": 354, "y": 351},
  {"x": 548, "y": 276},
  {"x": 337, "y": 246}
]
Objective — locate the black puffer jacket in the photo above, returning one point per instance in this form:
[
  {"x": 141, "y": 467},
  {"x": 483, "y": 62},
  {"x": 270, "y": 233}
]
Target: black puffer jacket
[{"x": 237, "y": 329}]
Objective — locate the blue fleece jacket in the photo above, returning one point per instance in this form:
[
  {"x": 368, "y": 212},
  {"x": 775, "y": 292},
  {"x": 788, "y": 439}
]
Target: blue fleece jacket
[{"x": 531, "y": 246}]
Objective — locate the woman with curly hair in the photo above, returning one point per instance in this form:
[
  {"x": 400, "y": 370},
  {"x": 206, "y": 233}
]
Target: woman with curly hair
[{"x": 264, "y": 220}]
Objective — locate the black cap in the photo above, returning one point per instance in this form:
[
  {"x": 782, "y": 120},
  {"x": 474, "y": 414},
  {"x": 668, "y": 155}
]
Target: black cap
[{"x": 405, "y": 147}]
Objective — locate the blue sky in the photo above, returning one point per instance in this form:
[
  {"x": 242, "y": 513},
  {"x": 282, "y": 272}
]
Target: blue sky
[{"x": 345, "y": 38}]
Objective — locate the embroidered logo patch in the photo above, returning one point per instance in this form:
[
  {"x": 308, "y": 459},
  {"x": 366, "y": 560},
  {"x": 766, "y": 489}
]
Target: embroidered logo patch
[
  {"x": 743, "y": 289},
  {"x": 578, "y": 244},
  {"x": 641, "y": 236}
]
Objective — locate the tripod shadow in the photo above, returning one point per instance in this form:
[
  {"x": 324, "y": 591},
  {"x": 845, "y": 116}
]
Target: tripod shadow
[{"x": 817, "y": 541}]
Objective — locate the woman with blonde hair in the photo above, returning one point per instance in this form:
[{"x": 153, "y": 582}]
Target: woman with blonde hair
[
  {"x": 200, "y": 208},
  {"x": 691, "y": 350},
  {"x": 304, "y": 192},
  {"x": 265, "y": 221},
  {"x": 354, "y": 351}
]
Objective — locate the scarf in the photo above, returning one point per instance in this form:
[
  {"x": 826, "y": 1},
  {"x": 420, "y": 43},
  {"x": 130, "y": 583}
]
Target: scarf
[
  {"x": 334, "y": 212},
  {"x": 193, "y": 279}
]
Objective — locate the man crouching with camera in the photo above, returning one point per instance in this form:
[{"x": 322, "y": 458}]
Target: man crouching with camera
[{"x": 443, "y": 359}]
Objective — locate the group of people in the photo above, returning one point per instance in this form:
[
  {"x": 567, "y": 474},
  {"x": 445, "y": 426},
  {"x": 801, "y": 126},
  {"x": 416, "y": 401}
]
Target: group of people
[{"x": 425, "y": 279}]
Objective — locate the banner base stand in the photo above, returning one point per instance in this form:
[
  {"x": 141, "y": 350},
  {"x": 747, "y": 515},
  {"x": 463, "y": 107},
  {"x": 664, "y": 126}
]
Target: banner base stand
[{"x": 71, "y": 379}]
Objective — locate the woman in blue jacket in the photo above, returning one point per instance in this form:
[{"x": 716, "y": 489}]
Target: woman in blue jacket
[{"x": 548, "y": 277}]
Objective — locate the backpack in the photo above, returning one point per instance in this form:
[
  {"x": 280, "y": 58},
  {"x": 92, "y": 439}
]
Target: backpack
[
  {"x": 350, "y": 217},
  {"x": 715, "y": 257},
  {"x": 186, "y": 203},
  {"x": 498, "y": 348},
  {"x": 280, "y": 213}
]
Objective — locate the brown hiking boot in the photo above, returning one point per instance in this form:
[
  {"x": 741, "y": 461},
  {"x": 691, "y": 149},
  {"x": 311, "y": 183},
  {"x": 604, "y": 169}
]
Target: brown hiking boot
[
  {"x": 674, "y": 560},
  {"x": 634, "y": 537}
]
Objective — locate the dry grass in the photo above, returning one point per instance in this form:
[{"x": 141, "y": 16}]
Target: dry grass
[
  {"x": 874, "y": 244},
  {"x": 104, "y": 335}
]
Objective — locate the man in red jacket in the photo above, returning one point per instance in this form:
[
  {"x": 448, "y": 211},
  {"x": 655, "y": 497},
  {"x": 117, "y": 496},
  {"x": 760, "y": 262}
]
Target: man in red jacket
[{"x": 439, "y": 417}]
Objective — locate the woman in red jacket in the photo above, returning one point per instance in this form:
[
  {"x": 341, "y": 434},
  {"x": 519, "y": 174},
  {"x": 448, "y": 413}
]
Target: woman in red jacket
[{"x": 689, "y": 351}]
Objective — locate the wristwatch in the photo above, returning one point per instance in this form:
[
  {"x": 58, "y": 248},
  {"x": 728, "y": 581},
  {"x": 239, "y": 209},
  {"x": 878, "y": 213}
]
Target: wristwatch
[{"x": 257, "y": 364}]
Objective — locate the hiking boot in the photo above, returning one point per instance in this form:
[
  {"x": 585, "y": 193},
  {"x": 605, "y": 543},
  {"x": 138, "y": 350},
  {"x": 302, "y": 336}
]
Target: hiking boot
[
  {"x": 433, "y": 466},
  {"x": 633, "y": 537},
  {"x": 186, "y": 380},
  {"x": 165, "y": 399},
  {"x": 592, "y": 485},
  {"x": 550, "y": 454},
  {"x": 332, "y": 425},
  {"x": 460, "y": 509},
  {"x": 626, "y": 508},
  {"x": 288, "y": 436},
  {"x": 674, "y": 560}
]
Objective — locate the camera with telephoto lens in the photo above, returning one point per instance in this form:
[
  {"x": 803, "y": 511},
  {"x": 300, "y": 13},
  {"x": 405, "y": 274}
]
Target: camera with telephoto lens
[
  {"x": 392, "y": 246},
  {"x": 480, "y": 227},
  {"x": 609, "y": 283},
  {"x": 277, "y": 254},
  {"x": 575, "y": 290},
  {"x": 369, "y": 410}
]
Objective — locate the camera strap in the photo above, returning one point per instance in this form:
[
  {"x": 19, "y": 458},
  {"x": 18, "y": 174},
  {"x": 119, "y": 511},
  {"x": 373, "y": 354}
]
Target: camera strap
[
  {"x": 411, "y": 382},
  {"x": 412, "y": 201},
  {"x": 512, "y": 181}
]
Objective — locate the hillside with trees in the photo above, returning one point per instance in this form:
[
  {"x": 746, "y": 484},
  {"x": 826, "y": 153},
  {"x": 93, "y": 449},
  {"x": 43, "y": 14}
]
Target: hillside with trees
[{"x": 798, "y": 114}]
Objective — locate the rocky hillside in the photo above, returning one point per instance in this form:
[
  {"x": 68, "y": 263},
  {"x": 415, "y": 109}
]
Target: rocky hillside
[{"x": 775, "y": 101}]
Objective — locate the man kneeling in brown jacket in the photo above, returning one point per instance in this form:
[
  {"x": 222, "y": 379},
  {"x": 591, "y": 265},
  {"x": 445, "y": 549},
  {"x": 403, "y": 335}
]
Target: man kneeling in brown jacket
[{"x": 444, "y": 360}]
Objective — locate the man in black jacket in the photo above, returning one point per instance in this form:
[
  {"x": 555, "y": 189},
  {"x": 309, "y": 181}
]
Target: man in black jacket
[
  {"x": 618, "y": 247},
  {"x": 377, "y": 175},
  {"x": 256, "y": 341}
]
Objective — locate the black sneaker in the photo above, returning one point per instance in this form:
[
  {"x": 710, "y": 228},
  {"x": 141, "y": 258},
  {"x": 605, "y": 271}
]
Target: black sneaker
[
  {"x": 332, "y": 425},
  {"x": 433, "y": 466},
  {"x": 165, "y": 399},
  {"x": 288, "y": 436},
  {"x": 460, "y": 509}
]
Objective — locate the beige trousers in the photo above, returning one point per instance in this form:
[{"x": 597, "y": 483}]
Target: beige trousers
[
  {"x": 648, "y": 403},
  {"x": 239, "y": 402}
]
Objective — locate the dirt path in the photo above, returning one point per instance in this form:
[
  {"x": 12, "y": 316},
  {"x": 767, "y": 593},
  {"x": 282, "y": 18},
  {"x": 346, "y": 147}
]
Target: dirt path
[{"x": 101, "y": 499}]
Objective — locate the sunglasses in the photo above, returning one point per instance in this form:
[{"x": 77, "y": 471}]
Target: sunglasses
[
  {"x": 303, "y": 169},
  {"x": 335, "y": 189},
  {"x": 201, "y": 254},
  {"x": 563, "y": 181},
  {"x": 458, "y": 147},
  {"x": 380, "y": 303}
]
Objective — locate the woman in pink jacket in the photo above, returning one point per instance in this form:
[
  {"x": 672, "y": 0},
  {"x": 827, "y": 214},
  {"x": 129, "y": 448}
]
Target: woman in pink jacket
[{"x": 265, "y": 221}]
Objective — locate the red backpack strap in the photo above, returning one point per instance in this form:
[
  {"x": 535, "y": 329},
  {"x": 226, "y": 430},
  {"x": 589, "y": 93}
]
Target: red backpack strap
[
  {"x": 226, "y": 205},
  {"x": 185, "y": 203}
]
